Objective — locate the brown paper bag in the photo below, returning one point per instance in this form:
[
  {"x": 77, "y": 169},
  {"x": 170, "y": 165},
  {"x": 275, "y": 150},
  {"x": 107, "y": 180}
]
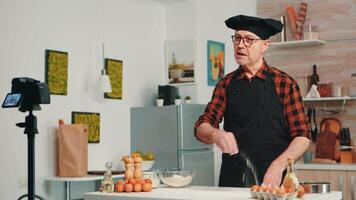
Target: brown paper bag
[{"x": 72, "y": 150}]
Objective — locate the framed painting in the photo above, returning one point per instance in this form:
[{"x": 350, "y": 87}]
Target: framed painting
[
  {"x": 114, "y": 70},
  {"x": 92, "y": 120},
  {"x": 56, "y": 73},
  {"x": 180, "y": 62},
  {"x": 216, "y": 61}
]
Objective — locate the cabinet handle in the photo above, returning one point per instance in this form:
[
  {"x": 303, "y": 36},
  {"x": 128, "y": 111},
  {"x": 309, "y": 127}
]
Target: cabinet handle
[
  {"x": 341, "y": 185},
  {"x": 352, "y": 183},
  {"x": 341, "y": 182}
]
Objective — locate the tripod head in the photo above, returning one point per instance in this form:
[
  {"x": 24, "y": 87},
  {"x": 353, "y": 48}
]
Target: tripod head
[{"x": 27, "y": 94}]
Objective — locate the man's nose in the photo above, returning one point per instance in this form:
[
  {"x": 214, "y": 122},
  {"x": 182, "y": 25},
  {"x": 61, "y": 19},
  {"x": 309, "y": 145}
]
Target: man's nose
[{"x": 241, "y": 44}]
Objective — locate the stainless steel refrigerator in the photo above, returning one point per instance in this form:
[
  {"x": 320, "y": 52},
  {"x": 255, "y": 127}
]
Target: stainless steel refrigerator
[{"x": 168, "y": 131}]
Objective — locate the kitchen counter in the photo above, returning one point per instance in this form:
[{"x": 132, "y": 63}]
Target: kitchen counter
[
  {"x": 195, "y": 193},
  {"x": 316, "y": 166}
]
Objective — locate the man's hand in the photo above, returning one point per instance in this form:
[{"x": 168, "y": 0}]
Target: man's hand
[
  {"x": 273, "y": 176},
  {"x": 225, "y": 141}
]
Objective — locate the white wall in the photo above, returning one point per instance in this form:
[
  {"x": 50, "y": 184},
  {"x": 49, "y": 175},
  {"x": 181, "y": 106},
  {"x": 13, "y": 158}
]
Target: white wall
[{"x": 133, "y": 31}]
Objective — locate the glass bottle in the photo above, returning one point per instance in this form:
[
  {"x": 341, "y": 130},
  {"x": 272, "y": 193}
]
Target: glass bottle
[
  {"x": 314, "y": 76},
  {"x": 108, "y": 183},
  {"x": 290, "y": 181}
]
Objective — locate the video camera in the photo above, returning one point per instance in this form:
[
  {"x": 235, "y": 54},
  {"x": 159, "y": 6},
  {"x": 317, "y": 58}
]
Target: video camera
[{"x": 28, "y": 94}]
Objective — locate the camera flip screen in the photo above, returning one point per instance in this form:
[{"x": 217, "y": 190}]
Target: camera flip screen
[{"x": 12, "y": 100}]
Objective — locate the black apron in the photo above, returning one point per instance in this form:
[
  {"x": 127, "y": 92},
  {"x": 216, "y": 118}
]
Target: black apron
[{"x": 254, "y": 114}]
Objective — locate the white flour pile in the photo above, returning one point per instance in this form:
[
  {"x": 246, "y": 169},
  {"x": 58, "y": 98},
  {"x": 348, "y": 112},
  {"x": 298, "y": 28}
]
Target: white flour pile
[{"x": 177, "y": 180}]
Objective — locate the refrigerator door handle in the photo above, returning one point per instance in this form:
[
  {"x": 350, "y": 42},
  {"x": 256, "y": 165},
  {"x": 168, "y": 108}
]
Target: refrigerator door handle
[{"x": 195, "y": 149}]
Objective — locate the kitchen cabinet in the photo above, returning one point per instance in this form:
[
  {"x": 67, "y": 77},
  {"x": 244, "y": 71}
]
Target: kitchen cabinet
[{"x": 339, "y": 180}]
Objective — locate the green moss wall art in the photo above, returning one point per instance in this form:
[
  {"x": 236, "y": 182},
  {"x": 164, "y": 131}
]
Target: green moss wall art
[
  {"x": 92, "y": 120},
  {"x": 114, "y": 70},
  {"x": 56, "y": 71}
]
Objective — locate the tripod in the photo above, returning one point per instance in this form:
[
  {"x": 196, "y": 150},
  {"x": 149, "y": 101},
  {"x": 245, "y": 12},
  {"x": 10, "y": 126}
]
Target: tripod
[{"x": 30, "y": 126}]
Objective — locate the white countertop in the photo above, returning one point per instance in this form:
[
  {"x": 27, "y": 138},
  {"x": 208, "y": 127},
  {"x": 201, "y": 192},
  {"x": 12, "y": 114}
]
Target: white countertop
[
  {"x": 336, "y": 166},
  {"x": 195, "y": 193},
  {"x": 78, "y": 179}
]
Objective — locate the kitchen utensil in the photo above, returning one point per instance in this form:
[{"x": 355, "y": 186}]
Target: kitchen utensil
[
  {"x": 314, "y": 132},
  {"x": 249, "y": 170},
  {"x": 176, "y": 178},
  {"x": 316, "y": 187}
]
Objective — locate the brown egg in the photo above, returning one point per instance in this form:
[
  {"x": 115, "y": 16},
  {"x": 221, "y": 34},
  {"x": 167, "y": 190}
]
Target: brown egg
[
  {"x": 147, "y": 187},
  {"x": 120, "y": 187},
  {"x": 260, "y": 189},
  {"x": 266, "y": 189},
  {"x": 301, "y": 191},
  {"x": 137, "y": 187},
  {"x": 254, "y": 188},
  {"x": 290, "y": 190},
  {"x": 281, "y": 191},
  {"x": 128, "y": 187},
  {"x": 273, "y": 190}
]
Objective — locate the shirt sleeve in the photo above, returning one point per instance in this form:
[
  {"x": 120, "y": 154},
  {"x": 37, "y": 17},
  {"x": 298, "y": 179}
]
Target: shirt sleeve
[
  {"x": 214, "y": 110},
  {"x": 296, "y": 118}
]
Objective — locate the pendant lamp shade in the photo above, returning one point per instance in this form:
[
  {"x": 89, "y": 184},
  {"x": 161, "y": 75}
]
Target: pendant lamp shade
[{"x": 105, "y": 82}]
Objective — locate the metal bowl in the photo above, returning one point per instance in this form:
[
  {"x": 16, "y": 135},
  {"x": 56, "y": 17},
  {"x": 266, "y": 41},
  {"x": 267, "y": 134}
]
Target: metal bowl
[{"x": 316, "y": 187}]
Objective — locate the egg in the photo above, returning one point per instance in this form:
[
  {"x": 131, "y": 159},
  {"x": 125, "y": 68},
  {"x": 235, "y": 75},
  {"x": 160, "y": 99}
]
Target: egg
[
  {"x": 273, "y": 190},
  {"x": 266, "y": 189},
  {"x": 281, "y": 191},
  {"x": 301, "y": 191},
  {"x": 254, "y": 188},
  {"x": 260, "y": 189}
]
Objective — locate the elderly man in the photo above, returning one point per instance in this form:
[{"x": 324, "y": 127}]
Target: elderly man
[{"x": 261, "y": 106}]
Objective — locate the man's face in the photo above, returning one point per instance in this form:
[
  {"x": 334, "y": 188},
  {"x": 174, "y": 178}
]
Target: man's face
[{"x": 250, "y": 49}]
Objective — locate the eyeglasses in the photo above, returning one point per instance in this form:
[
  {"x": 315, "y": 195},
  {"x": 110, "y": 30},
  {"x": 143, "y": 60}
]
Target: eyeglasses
[{"x": 236, "y": 39}]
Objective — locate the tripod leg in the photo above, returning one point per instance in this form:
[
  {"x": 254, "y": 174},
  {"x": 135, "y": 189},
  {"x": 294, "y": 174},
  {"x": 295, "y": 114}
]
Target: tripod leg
[{"x": 36, "y": 196}]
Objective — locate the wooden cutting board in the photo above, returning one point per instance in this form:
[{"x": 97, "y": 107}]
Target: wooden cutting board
[{"x": 326, "y": 143}]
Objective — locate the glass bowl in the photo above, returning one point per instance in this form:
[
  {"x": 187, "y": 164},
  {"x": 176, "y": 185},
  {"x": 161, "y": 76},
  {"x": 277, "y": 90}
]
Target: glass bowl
[{"x": 176, "y": 178}]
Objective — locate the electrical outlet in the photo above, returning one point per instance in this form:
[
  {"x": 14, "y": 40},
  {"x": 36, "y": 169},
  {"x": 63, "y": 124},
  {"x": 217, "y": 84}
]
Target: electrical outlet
[{"x": 22, "y": 183}]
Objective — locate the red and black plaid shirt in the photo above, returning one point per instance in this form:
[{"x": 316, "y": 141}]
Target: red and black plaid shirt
[{"x": 286, "y": 88}]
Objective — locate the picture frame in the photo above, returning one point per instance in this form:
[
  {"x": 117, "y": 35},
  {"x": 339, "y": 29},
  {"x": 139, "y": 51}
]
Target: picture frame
[
  {"x": 92, "y": 120},
  {"x": 180, "y": 62},
  {"x": 56, "y": 71},
  {"x": 114, "y": 70},
  {"x": 215, "y": 61}
]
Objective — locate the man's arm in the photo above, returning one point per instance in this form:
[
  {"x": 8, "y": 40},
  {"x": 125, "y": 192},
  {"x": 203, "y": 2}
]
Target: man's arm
[
  {"x": 224, "y": 140},
  {"x": 294, "y": 151}
]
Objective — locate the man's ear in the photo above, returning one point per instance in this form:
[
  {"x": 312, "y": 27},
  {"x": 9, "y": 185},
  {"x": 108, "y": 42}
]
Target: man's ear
[{"x": 265, "y": 45}]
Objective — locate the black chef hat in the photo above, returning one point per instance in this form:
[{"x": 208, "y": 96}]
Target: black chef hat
[{"x": 264, "y": 28}]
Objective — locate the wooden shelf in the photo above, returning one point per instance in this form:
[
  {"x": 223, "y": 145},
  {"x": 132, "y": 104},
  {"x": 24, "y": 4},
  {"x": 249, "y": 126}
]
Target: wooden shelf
[
  {"x": 329, "y": 99},
  {"x": 297, "y": 43}
]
